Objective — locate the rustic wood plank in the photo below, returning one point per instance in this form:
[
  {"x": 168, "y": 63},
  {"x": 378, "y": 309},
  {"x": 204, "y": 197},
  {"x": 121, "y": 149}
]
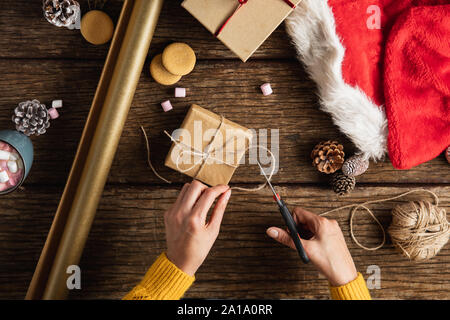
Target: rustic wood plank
[
  {"x": 226, "y": 87},
  {"x": 38, "y": 60},
  {"x": 26, "y": 34},
  {"x": 128, "y": 234}
]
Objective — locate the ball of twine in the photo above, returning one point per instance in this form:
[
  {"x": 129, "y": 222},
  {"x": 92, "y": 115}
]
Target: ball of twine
[{"x": 419, "y": 229}]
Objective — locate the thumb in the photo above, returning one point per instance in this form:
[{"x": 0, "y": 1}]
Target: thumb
[{"x": 280, "y": 236}]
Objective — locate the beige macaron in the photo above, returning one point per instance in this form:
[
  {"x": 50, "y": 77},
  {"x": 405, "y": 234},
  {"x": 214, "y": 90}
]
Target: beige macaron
[
  {"x": 97, "y": 27},
  {"x": 160, "y": 74},
  {"x": 179, "y": 58}
]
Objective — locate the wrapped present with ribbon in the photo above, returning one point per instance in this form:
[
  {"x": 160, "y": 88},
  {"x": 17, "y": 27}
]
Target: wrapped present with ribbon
[
  {"x": 242, "y": 25},
  {"x": 208, "y": 147}
]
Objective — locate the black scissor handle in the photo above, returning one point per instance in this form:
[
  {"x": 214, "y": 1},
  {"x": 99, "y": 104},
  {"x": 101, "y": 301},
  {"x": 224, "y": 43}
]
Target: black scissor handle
[{"x": 289, "y": 220}]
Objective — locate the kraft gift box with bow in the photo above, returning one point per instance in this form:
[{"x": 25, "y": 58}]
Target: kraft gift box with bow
[
  {"x": 242, "y": 25},
  {"x": 208, "y": 147}
]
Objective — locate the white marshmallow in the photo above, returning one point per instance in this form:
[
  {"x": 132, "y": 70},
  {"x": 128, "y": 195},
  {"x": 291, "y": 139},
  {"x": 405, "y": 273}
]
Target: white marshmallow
[
  {"x": 180, "y": 92},
  {"x": 12, "y": 166},
  {"x": 57, "y": 104},
  {"x": 12, "y": 157},
  {"x": 4, "y": 155},
  {"x": 4, "y": 177}
]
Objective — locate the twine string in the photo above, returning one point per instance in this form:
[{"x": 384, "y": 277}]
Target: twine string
[
  {"x": 419, "y": 242},
  {"x": 357, "y": 207},
  {"x": 204, "y": 156},
  {"x": 147, "y": 145}
]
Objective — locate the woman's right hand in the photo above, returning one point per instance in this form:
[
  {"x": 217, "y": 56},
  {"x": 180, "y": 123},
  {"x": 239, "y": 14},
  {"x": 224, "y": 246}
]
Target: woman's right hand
[
  {"x": 326, "y": 249},
  {"x": 189, "y": 234}
]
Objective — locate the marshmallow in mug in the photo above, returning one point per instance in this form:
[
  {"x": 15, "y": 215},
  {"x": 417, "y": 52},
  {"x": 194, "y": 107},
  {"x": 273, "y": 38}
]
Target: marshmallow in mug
[{"x": 11, "y": 167}]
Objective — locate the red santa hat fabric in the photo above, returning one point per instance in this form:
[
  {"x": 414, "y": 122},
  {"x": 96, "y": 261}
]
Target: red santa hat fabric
[
  {"x": 402, "y": 64},
  {"x": 417, "y": 85}
]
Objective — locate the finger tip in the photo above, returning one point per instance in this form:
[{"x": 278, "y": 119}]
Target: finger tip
[
  {"x": 272, "y": 232},
  {"x": 227, "y": 195}
]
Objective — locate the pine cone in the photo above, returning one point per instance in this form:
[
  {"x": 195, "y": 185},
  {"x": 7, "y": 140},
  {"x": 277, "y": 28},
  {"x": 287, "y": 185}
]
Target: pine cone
[
  {"x": 62, "y": 13},
  {"x": 31, "y": 117},
  {"x": 355, "y": 166},
  {"x": 342, "y": 184},
  {"x": 328, "y": 156}
]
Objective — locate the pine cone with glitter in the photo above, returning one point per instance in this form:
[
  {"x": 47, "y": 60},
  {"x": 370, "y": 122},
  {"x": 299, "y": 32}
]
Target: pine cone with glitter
[
  {"x": 328, "y": 156},
  {"x": 62, "y": 13},
  {"x": 31, "y": 117},
  {"x": 355, "y": 166},
  {"x": 342, "y": 184}
]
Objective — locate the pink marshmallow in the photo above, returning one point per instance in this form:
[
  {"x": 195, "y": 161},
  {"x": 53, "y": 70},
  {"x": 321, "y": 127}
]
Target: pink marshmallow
[
  {"x": 166, "y": 105},
  {"x": 4, "y": 164},
  {"x": 13, "y": 180},
  {"x": 53, "y": 113},
  {"x": 180, "y": 92},
  {"x": 2, "y": 145},
  {"x": 19, "y": 174},
  {"x": 3, "y": 186},
  {"x": 266, "y": 89}
]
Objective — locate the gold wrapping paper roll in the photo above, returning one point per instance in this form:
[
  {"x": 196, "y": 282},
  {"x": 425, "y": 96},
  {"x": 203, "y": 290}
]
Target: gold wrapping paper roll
[{"x": 99, "y": 141}]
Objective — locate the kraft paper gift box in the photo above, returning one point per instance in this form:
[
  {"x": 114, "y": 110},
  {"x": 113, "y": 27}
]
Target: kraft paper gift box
[
  {"x": 243, "y": 30},
  {"x": 208, "y": 147}
]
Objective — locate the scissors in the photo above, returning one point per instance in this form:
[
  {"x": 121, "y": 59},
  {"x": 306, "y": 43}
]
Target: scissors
[{"x": 288, "y": 219}]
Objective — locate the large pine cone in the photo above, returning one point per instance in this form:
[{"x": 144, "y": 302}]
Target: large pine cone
[
  {"x": 61, "y": 13},
  {"x": 328, "y": 156},
  {"x": 342, "y": 184},
  {"x": 31, "y": 117}
]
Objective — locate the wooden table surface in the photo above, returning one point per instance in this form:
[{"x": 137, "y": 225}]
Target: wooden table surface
[{"x": 40, "y": 61}]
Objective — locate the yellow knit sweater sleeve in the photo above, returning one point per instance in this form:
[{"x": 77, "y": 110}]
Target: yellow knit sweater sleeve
[
  {"x": 354, "y": 290},
  {"x": 163, "y": 281}
]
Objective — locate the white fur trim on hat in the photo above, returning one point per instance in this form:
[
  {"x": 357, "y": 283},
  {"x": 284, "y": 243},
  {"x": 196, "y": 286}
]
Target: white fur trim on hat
[{"x": 313, "y": 32}]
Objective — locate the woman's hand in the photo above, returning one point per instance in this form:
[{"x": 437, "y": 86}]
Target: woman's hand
[
  {"x": 189, "y": 237},
  {"x": 326, "y": 249}
]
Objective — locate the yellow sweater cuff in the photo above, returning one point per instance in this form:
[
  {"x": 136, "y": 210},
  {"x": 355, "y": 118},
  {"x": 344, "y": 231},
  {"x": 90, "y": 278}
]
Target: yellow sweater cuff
[
  {"x": 163, "y": 281},
  {"x": 354, "y": 290}
]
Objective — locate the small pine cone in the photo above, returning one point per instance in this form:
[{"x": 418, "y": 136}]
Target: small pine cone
[
  {"x": 61, "y": 13},
  {"x": 355, "y": 166},
  {"x": 31, "y": 117},
  {"x": 328, "y": 156},
  {"x": 342, "y": 184},
  {"x": 447, "y": 154}
]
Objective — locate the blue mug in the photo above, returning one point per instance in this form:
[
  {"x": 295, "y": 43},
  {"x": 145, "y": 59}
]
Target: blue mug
[{"x": 24, "y": 147}]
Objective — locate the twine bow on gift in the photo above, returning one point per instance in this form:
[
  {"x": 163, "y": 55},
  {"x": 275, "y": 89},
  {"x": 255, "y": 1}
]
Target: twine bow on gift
[
  {"x": 204, "y": 156},
  {"x": 240, "y": 5},
  {"x": 207, "y": 154}
]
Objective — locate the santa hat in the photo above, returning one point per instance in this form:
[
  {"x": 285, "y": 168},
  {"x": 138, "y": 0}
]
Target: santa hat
[{"x": 370, "y": 56}]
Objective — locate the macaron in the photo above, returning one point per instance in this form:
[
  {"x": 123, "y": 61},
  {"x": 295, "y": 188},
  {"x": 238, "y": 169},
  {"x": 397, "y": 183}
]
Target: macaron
[
  {"x": 97, "y": 27},
  {"x": 160, "y": 74},
  {"x": 179, "y": 58}
]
